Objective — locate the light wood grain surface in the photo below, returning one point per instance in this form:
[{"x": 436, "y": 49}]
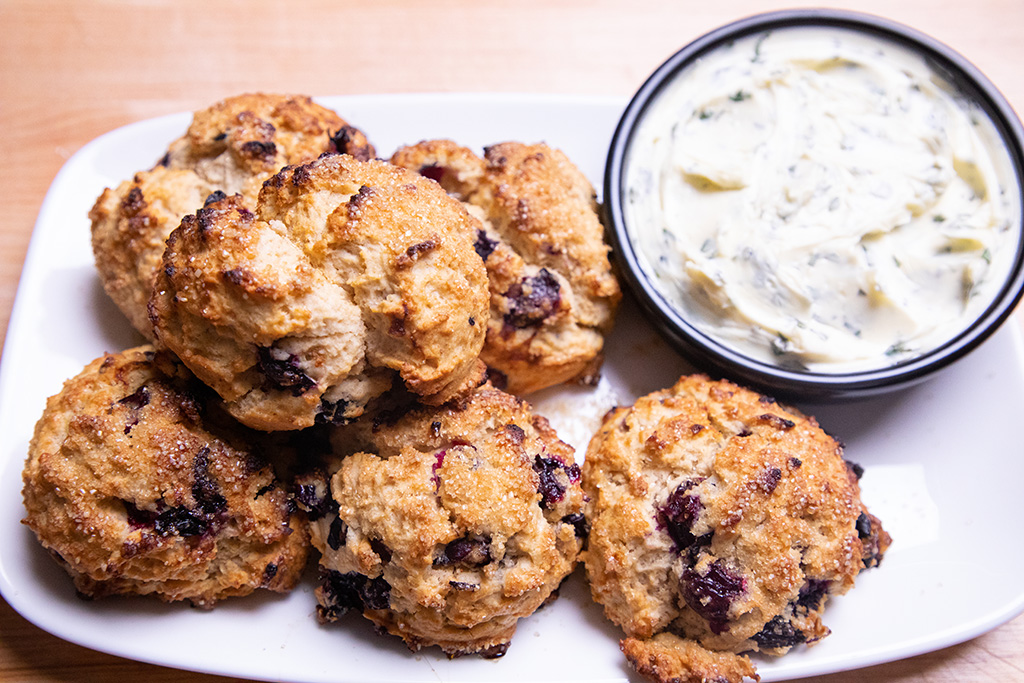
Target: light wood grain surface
[{"x": 70, "y": 71}]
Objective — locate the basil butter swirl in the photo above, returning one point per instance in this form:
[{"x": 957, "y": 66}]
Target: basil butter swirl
[{"x": 822, "y": 198}]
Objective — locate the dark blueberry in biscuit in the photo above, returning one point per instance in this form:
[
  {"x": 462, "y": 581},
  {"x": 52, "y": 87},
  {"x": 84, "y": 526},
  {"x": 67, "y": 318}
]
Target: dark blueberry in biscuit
[
  {"x": 679, "y": 513},
  {"x": 495, "y": 651},
  {"x": 352, "y": 590},
  {"x": 579, "y": 522},
  {"x": 433, "y": 171},
  {"x": 333, "y": 412},
  {"x": 349, "y": 140},
  {"x": 551, "y": 487},
  {"x": 180, "y": 521},
  {"x": 769, "y": 478},
  {"x": 205, "y": 490},
  {"x": 136, "y": 402},
  {"x": 812, "y": 594},
  {"x": 873, "y": 538},
  {"x": 779, "y": 632},
  {"x": 858, "y": 470},
  {"x": 138, "y": 519},
  {"x": 379, "y": 547},
  {"x": 214, "y": 197},
  {"x": 336, "y": 534},
  {"x": 376, "y": 593},
  {"x": 466, "y": 551},
  {"x": 484, "y": 244},
  {"x": 282, "y": 371},
  {"x": 176, "y": 521},
  {"x": 463, "y": 585},
  {"x": 342, "y": 592},
  {"x": 711, "y": 594},
  {"x": 258, "y": 151},
  {"x": 312, "y": 493},
  {"x": 863, "y": 526},
  {"x": 533, "y": 299}
]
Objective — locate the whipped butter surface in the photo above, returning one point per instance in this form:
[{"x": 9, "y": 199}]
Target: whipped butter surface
[{"x": 821, "y": 198}]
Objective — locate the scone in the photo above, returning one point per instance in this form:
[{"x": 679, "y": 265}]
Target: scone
[
  {"x": 138, "y": 486},
  {"x": 720, "y": 517},
  {"x": 231, "y": 147},
  {"x": 241, "y": 141},
  {"x": 347, "y": 274},
  {"x": 445, "y": 526},
  {"x": 553, "y": 294}
]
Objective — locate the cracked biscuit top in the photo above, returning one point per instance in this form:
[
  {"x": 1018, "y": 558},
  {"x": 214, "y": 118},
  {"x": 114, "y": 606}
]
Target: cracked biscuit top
[
  {"x": 347, "y": 274},
  {"x": 553, "y": 294},
  {"x": 723, "y": 518},
  {"x": 231, "y": 147},
  {"x": 138, "y": 484},
  {"x": 241, "y": 141},
  {"x": 445, "y": 526}
]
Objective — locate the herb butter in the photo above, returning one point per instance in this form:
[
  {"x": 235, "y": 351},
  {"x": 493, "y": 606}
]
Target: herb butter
[{"x": 823, "y": 199}]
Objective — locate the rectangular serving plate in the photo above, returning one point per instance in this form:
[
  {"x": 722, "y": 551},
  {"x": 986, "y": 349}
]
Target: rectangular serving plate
[{"x": 942, "y": 459}]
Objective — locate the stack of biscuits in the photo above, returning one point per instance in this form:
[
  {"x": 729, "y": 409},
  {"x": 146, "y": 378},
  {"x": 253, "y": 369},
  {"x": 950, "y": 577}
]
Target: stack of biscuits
[{"x": 337, "y": 347}]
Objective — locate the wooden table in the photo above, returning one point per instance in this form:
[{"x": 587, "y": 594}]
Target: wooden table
[{"x": 70, "y": 71}]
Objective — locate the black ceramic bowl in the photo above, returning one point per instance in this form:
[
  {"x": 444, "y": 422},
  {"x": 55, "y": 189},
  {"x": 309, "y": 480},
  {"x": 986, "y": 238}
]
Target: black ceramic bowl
[{"x": 718, "y": 357}]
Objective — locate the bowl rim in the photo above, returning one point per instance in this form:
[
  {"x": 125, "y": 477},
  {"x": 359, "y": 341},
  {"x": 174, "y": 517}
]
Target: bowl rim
[{"x": 956, "y": 69}]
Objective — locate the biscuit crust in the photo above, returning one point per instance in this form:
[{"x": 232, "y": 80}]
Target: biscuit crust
[
  {"x": 553, "y": 293},
  {"x": 445, "y": 526},
  {"x": 667, "y": 658},
  {"x": 138, "y": 488},
  {"x": 347, "y": 274}
]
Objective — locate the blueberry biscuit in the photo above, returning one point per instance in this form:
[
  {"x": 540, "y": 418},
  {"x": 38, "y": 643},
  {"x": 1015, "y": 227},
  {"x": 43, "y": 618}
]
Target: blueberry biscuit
[
  {"x": 723, "y": 522},
  {"x": 346, "y": 275},
  {"x": 138, "y": 486},
  {"x": 231, "y": 147},
  {"x": 553, "y": 294},
  {"x": 445, "y": 526}
]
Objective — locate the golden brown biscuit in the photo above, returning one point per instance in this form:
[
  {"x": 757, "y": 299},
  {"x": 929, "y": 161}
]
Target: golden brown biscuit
[
  {"x": 445, "y": 526},
  {"x": 130, "y": 225},
  {"x": 553, "y": 294},
  {"x": 241, "y": 141},
  {"x": 720, "y": 516},
  {"x": 667, "y": 658},
  {"x": 347, "y": 274},
  {"x": 136, "y": 487},
  {"x": 231, "y": 147}
]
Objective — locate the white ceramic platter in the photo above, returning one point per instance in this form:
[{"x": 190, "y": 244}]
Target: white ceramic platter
[{"x": 943, "y": 461}]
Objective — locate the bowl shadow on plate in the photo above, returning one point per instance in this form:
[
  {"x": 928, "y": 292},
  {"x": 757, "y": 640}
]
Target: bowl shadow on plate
[{"x": 639, "y": 361}]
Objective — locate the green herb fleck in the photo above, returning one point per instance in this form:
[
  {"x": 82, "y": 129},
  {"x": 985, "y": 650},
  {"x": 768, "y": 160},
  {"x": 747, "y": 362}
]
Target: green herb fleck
[
  {"x": 987, "y": 256},
  {"x": 781, "y": 345},
  {"x": 896, "y": 349},
  {"x": 939, "y": 218},
  {"x": 757, "y": 46},
  {"x": 739, "y": 96},
  {"x": 704, "y": 114}
]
